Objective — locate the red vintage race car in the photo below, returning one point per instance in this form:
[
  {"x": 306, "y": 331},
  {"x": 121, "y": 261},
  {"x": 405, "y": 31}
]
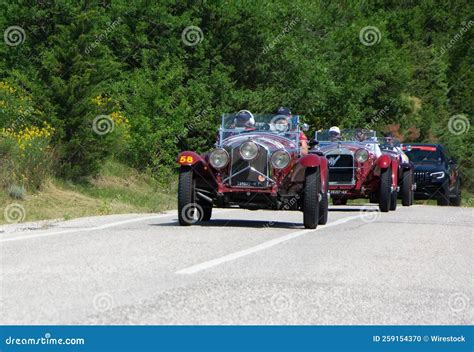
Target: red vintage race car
[
  {"x": 358, "y": 168},
  {"x": 255, "y": 165},
  {"x": 393, "y": 147}
]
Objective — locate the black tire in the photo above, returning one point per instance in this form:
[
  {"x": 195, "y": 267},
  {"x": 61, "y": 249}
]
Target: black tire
[
  {"x": 373, "y": 198},
  {"x": 206, "y": 212},
  {"x": 385, "y": 190},
  {"x": 323, "y": 209},
  {"x": 186, "y": 196},
  {"x": 443, "y": 195},
  {"x": 393, "y": 200},
  {"x": 457, "y": 199},
  {"x": 407, "y": 188},
  {"x": 312, "y": 186}
]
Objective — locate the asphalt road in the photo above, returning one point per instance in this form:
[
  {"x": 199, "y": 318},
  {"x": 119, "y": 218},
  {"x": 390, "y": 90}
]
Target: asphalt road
[{"x": 411, "y": 266}]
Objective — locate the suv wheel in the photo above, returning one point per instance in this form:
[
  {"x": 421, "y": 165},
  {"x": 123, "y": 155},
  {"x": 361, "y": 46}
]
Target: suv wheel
[
  {"x": 456, "y": 200},
  {"x": 443, "y": 195}
]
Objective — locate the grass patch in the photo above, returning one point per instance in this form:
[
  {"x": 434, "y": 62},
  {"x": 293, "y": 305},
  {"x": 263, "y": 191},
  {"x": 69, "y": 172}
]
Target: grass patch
[{"x": 117, "y": 190}]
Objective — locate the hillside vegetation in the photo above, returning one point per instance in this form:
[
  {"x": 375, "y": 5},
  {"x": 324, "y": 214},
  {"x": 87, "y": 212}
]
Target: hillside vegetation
[{"x": 85, "y": 82}]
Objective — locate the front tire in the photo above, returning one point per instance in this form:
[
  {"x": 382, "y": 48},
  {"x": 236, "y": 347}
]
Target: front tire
[
  {"x": 457, "y": 199},
  {"x": 385, "y": 190},
  {"x": 443, "y": 195},
  {"x": 393, "y": 200},
  {"x": 186, "y": 196},
  {"x": 312, "y": 186},
  {"x": 407, "y": 188}
]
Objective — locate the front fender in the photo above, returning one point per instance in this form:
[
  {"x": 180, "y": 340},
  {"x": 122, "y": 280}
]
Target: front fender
[
  {"x": 384, "y": 161},
  {"x": 314, "y": 160},
  {"x": 188, "y": 158}
]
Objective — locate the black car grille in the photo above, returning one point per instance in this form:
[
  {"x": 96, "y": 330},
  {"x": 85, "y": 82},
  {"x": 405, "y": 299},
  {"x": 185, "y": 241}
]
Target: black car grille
[
  {"x": 341, "y": 168},
  {"x": 422, "y": 176},
  {"x": 249, "y": 177}
]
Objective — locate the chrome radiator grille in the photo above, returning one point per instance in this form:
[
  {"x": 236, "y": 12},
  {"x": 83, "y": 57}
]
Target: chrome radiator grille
[
  {"x": 341, "y": 168},
  {"x": 252, "y": 173}
]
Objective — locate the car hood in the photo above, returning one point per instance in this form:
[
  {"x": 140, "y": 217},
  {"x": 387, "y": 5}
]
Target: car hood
[{"x": 269, "y": 141}]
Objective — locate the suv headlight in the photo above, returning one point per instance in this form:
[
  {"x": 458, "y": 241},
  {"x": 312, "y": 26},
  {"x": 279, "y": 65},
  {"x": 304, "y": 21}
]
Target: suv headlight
[
  {"x": 219, "y": 158},
  {"x": 280, "y": 159},
  {"x": 362, "y": 155},
  {"x": 248, "y": 150},
  {"x": 437, "y": 175}
]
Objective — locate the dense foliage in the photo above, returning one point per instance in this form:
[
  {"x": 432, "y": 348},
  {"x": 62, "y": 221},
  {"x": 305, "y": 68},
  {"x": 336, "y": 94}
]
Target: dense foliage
[{"x": 163, "y": 85}]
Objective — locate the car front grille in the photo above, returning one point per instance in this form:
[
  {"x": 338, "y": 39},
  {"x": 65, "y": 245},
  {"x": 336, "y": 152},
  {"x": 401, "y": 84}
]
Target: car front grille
[
  {"x": 341, "y": 168},
  {"x": 422, "y": 176},
  {"x": 249, "y": 173}
]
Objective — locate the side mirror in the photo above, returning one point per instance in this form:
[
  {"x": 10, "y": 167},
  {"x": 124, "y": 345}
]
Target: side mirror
[{"x": 305, "y": 127}]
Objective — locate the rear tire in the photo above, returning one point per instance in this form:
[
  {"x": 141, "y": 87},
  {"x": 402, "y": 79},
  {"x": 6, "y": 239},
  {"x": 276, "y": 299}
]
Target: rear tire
[
  {"x": 312, "y": 186},
  {"x": 186, "y": 196},
  {"x": 385, "y": 190},
  {"x": 407, "y": 188},
  {"x": 323, "y": 209}
]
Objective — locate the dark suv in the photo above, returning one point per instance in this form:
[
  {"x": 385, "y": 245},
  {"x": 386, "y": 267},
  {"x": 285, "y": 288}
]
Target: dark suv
[{"x": 436, "y": 173}]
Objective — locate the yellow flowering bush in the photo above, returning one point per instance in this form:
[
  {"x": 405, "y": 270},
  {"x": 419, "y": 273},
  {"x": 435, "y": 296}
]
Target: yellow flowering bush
[{"x": 28, "y": 154}]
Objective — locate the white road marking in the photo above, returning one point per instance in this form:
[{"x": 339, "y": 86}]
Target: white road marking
[
  {"x": 262, "y": 246},
  {"x": 101, "y": 227}
]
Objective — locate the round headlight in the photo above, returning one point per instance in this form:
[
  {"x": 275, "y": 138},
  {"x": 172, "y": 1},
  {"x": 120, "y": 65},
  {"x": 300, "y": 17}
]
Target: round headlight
[
  {"x": 219, "y": 158},
  {"x": 361, "y": 155},
  {"x": 248, "y": 150},
  {"x": 280, "y": 159}
]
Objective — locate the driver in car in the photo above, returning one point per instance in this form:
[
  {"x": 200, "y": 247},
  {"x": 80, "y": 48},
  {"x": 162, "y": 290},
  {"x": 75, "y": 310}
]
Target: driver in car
[
  {"x": 244, "y": 119},
  {"x": 282, "y": 124},
  {"x": 334, "y": 134}
]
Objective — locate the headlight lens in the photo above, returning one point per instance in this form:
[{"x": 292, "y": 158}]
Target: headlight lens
[
  {"x": 362, "y": 155},
  {"x": 219, "y": 158},
  {"x": 280, "y": 159},
  {"x": 248, "y": 150},
  {"x": 437, "y": 175}
]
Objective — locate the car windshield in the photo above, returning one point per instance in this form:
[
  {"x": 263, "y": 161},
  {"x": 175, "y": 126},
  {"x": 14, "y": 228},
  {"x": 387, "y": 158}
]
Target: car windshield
[
  {"x": 285, "y": 126},
  {"x": 420, "y": 155},
  {"x": 389, "y": 143},
  {"x": 346, "y": 136}
]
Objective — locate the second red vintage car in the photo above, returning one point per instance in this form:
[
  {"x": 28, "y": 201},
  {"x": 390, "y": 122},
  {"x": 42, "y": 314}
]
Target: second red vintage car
[
  {"x": 358, "y": 168},
  {"x": 257, "y": 164}
]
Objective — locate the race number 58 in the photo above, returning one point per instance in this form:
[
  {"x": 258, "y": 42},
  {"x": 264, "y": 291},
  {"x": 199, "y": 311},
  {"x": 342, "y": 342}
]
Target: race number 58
[{"x": 186, "y": 159}]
